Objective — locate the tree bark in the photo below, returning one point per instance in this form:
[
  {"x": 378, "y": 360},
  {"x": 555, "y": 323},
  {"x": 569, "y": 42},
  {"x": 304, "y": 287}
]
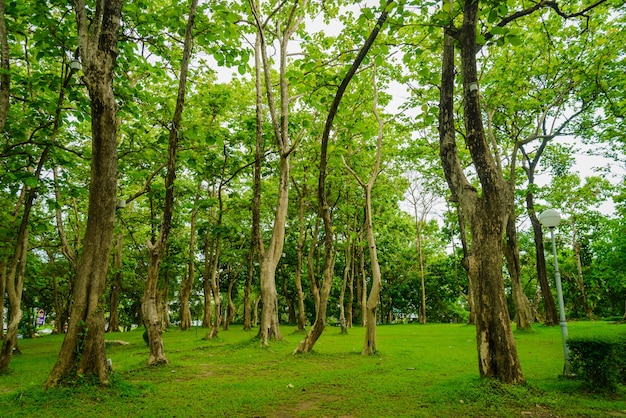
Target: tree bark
[
  {"x": 487, "y": 213},
  {"x": 83, "y": 349}
]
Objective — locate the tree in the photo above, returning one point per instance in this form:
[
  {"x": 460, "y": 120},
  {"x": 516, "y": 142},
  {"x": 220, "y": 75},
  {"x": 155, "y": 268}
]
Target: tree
[
  {"x": 369, "y": 346},
  {"x": 324, "y": 209},
  {"x": 486, "y": 213},
  {"x": 289, "y": 20},
  {"x": 83, "y": 350},
  {"x": 151, "y": 317}
]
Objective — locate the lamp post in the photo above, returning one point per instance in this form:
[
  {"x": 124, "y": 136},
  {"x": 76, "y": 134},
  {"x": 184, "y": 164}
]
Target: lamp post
[{"x": 550, "y": 218}]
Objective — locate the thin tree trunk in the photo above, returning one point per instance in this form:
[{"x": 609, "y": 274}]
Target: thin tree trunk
[
  {"x": 369, "y": 346},
  {"x": 116, "y": 287},
  {"x": 3, "y": 283},
  {"x": 523, "y": 314},
  {"x": 579, "y": 276},
  {"x": 5, "y": 77},
  {"x": 232, "y": 309},
  {"x": 549, "y": 307},
  {"x": 301, "y": 321},
  {"x": 187, "y": 283},
  {"x": 152, "y": 319},
  {"x": 247, "y": 305}
]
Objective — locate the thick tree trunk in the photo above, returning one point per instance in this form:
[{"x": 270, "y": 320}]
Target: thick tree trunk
[
  {"x": 269, "y": 328},
  {"x": 83, "y": 349},
  {"x": 487, "y": 213},
  {"x": 496, "y": 346},
  {"x": 363, "y": 283}
]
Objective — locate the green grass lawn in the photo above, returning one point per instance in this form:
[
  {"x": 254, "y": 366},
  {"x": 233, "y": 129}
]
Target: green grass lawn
[{"x": 420, "y": 371}]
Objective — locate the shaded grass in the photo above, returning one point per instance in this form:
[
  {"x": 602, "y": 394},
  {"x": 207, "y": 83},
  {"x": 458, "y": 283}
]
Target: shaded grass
[{"x": 419, "y": 371}]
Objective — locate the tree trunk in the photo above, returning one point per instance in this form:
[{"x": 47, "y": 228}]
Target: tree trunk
[
  {"x": 369, "y": 347},
  {"x": 549, "y": 307},
  {"x": 363, "y": 282},
  {"x": 232, "y": 309},
  {"x": 5, "y": 77},
  {"x": 187, "y": 283},
  {"x": 579, "y": 276},
  {"x": 83, "y": 349},
  {"x": 523, "y": 314},
  {"x": 343, "y": 322},
  {"x": 150, "y": 311},
  {"x": 116, "y": 287},
  {"x": 487, "y": 213},
  {"x": 315, "y": 290},
  {"x": 247, "y": 305},
  {"x": 301, "y": 321},
  {"x": 3, "y": 282},
  {"x": 15, "y": 286},
  {"x": 151, "y": 315},
  {"x": 207, "y": 317}
]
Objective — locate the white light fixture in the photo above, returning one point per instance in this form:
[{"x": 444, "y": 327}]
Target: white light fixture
[
  {"x": 550, "y": 218},
  {"x": 75, "y": 65}
]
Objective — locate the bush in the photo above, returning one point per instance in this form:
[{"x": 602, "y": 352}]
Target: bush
[{"x": 599, "y": 361}]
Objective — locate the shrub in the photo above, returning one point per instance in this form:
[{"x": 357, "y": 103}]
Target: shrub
[{"x": 599, "y": 361}]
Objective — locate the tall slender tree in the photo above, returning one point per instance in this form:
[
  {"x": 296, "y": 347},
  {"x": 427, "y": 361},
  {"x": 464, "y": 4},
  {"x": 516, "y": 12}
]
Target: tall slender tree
[{"x": 149, "y": 303}]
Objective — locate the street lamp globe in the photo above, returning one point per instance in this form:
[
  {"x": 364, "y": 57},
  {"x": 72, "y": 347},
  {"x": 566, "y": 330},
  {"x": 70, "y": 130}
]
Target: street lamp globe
[{"x": 550, "y": 218}]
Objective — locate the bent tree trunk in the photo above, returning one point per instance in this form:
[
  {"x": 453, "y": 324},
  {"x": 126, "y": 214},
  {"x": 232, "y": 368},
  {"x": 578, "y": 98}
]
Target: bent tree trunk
[{"x": 83, "y": 349}]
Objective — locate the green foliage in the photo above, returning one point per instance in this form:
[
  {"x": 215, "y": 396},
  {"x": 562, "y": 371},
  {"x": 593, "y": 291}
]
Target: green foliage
[{"x": 600, "y": 361}]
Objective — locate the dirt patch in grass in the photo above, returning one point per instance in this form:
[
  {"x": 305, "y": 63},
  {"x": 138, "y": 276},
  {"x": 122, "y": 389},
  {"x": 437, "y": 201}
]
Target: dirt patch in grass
[{"x": 306, "y": 402}]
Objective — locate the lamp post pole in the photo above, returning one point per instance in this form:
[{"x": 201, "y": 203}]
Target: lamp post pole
[{"x": 551, "y": 218}]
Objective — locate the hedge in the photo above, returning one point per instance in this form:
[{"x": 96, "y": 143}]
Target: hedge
[{"x": 599, "y": 361}]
